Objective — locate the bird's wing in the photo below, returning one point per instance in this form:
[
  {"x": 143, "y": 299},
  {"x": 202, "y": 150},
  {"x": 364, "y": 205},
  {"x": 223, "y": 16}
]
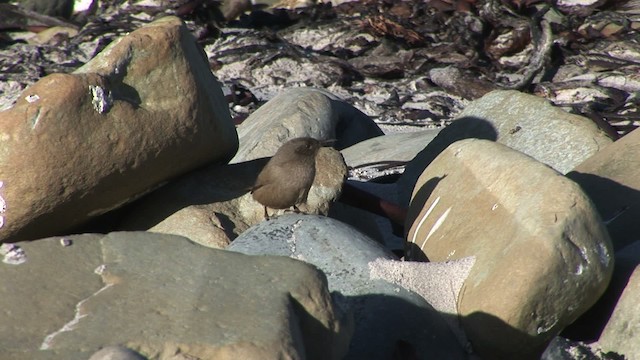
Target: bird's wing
[{"x": 266, "y": 173}]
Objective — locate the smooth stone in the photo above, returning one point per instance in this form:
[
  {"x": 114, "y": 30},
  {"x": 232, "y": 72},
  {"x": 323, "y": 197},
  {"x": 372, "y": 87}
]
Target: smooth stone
[
  {"x": 532, "y": 125},
  {"x": 399, "y": 147},
  {"x": 301, "y": 112},
  {"x": 384, "y": 313},
  {"x": 78, "y": 145},
  {"x": 116, "y": 353},
  {"x": 537, "y": 239},
  {"x": 162, "y": 295},
  {"x": 523, "y": 122}
]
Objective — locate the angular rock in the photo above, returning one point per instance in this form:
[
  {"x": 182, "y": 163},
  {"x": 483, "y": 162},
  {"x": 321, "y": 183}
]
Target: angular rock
[
  {"x": 537, "y": 239},
  {"x": 613, "y": 183},
  {"x": 213, "y": 206},
  {"x": 621, "y": 333},
  {"x": 300, "y": 112},
  {"x": 523, "y": 122},
  {"x": 162, "y": 295},
  {"x": 384, "y": 313},
  {"x": 78, "y": 145}
]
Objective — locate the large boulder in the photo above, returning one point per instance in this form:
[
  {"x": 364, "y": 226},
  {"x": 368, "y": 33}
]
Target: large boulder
[
  {"x": 385, "y": 313},
  {"x": 523, "y": 122},
  {"x": 543, "y": 256},
  {"x": 301, "y": 112},
  {"x": 78, "y": 145},
  {"x": 162, "y": 295},
  {"x": 532, "y": 125}
]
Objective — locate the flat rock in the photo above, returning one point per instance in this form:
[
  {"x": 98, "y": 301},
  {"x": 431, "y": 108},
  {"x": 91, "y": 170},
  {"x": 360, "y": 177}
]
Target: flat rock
[
  {"x": 300, "y": 112},
  {"x": 162, "y": 295},
  {"x": 521, "y": 121},
  {"x": 388, "y": 148},
  {"x": 613, "y": 183},
  {"x": 384, "y": 313},
  {"x": 212, "y": 206},
  {"x": 537, "y": 239},
  {"x": 78, "y": 145}
]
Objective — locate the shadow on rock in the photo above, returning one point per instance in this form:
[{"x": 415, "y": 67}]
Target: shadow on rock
[
  {"x": 590, "y": 325},
  {"x": 460, "y": 129},
  {"x": 493, "y": 338},
  {"x": 618, "y": 206},
  {"x": 387, "y": 326},
  {"x": 211, "y": 184}
]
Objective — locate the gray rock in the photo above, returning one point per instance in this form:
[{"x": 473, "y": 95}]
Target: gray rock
[
  {"x": 116, "y": 353},
  {"x": 384, "y": 313},
  {"x": 537, "y": 239},
  {"x": 300, "y": 112},
  {"x": 162, "y": 295},
  {"x": 531, "y": 125},
  {"x": 523, "y": 122},
  {"x": 79, "y": 145},
  {"x": 388, "y": 148}
]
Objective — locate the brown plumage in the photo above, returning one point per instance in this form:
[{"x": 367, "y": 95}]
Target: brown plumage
[{"x": 286, "y": 179}]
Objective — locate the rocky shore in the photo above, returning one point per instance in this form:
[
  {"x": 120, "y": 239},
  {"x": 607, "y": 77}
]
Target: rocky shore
[{"x": 128, "y": 230}]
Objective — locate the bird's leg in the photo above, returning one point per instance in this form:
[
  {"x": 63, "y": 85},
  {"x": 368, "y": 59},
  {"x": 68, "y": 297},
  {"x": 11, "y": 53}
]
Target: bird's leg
[
  {"x": 266, "y": 214},
  {"x": 296, "y": 210}
]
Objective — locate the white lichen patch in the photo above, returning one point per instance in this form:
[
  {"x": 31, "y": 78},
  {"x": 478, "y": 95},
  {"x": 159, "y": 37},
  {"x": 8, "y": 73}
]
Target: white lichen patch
[
  {"x": 100, "y": 99},
  {"x": 32, "y": 98},
  {"x": 436, "y": 226},
  {"x": 12, "y": 254}
]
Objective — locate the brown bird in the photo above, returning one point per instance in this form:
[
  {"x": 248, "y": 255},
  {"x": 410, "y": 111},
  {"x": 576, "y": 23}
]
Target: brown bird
[{"x": 286, "y": 179}]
